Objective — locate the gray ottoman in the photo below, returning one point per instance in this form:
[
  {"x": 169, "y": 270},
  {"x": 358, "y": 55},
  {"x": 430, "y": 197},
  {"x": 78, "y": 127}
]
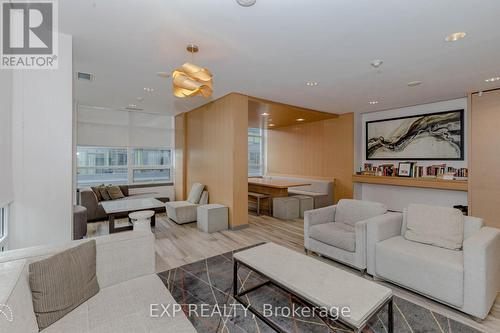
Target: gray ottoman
[
  {"x": 79, "y": 222},
  {"x": 305, "y": 203},
  {"x": 286, "y": 208},
  {"x": 212, "y": 218}
]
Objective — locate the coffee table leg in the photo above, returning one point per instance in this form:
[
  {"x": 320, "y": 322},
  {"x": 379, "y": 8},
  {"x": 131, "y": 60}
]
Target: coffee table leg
[
  {"x": 235, "y": 277},
  {"x": 390, "y": 317},
  {"x": 111, "y": 223}
]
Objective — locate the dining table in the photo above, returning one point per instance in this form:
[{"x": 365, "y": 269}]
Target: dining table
[{"x": 275, "y": 188}]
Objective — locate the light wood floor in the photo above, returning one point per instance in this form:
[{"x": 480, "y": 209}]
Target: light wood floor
[{"x": 177, "y": 245}]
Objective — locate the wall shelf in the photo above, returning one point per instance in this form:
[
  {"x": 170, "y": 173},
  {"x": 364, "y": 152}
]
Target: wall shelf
[{"x": 441, "y": 184}]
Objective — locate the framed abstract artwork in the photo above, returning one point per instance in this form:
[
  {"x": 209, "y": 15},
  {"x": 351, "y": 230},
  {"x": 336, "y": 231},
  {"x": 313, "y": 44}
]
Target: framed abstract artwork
[{"x": 432, "y": 136}]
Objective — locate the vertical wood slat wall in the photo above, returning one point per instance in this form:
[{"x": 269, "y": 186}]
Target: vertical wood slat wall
[
  {"x": 484, "y": 157},
  {"x": 212, "y": 148},
  {"x": 322, "y": 149}
]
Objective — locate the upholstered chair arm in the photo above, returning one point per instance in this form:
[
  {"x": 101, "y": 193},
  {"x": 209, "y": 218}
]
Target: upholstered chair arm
[
  {"x": 380, "y": 228},
  {"x": 318, "y": 216},
  {"x": 481, "y": 271},
  {"x": 89, "y": 200},
  {"x": 360, "y": 230}
]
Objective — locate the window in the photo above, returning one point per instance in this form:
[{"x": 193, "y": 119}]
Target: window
[
  {"x": 3, "y": 228},
  {"x": 151, "y": 165},
  {"x": 101, "y": 165},
  {"x": 256, "y": 152},
  {"x": 111, "y": 165}
]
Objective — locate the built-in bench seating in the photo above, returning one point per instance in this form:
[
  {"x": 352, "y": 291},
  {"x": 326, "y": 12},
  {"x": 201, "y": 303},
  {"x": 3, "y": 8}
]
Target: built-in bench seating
[{"x": 320, "y": 190}]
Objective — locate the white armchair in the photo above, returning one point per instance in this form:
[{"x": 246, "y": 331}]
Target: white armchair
[
  {"x": 339, "y": 232},
  {"x": 467, "y": 279},
  {"x": 182, "y": 212}
]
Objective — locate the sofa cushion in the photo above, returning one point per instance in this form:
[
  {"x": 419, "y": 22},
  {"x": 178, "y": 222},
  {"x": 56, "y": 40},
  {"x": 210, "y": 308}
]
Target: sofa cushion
[
  {"x": 336, "y": 234},
  {"x": 430, "y": 270},
  {"x": 438, "y": 226},
  {"x": 195, "y": 193},
  {"x": 104, "y": 193},
  {"x": 96, "y": 190},
  {"x": 181, "y": 211},
  {"x": 351, "y": 211},
  {"x": 125, "y": 307},
  {"x": 62, "y": 282},
  {"x": 115, "y": 192}
]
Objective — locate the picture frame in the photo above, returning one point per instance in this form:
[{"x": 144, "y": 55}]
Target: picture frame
[
  {"x": 405, "y": 169},
  {"x": 388, "y": 139}
]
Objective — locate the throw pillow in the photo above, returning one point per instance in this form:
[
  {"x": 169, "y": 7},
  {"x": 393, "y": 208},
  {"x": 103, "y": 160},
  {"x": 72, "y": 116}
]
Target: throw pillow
[
  {"x": 433, "y": 225},
  {"x": 97, "y": 193},
  {"x": 104, "y": 193},
  {"x": 115, "y": 192},
  {"x": 195, "y": 193},
  {"x": 62, "y": 282}
]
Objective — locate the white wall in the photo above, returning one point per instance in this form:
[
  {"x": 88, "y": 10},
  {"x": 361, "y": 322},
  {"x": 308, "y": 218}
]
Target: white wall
[
  {"x": 6, "y": 192},
  {"x": 395, "y": 197},
  {"x": 42, "y": 153}
]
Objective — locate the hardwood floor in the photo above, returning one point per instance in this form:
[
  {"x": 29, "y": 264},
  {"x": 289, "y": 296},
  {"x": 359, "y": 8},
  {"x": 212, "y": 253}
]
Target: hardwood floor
[{"x": 177, "y": 245}]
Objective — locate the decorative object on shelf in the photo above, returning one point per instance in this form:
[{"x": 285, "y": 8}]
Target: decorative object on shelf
[
  {"x": 433, "y": 136},
  {"x": 191, "y": 80},
  {"x": 405, "y": 169}
]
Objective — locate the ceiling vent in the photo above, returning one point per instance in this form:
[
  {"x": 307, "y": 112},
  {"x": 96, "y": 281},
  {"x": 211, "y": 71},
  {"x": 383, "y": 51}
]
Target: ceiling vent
[{"x": 85, "y": 76}]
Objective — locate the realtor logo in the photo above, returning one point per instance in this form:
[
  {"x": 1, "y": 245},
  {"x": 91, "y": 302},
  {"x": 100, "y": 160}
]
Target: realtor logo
[{"x": 29, "y": 34}]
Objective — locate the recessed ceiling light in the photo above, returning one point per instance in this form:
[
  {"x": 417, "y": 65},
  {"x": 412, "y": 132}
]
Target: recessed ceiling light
[
  {"x": 149, "y": 89},
  {"x": 264, "y": 114},
  {"x": 373, "y": 102},
  {"x": 414, "y": 83},
  {"x": 311, "y": 83},
  {"x": 493, "y": 79},
  {"x": 300, "y": 119},
  {"x": 376, "y": 63},
  {"x": 132, "y": 105},
  {"x": 163, "y": 74},
  {"x": 271, "y": 125},
  {"x": 455, "y": 36},
  {"x": 246, "y": 3}
]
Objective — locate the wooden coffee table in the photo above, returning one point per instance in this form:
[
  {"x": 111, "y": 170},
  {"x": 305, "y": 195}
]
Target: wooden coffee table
[
  {"x": 115, "y": 207},
  {"x": 317, "y": 284}
]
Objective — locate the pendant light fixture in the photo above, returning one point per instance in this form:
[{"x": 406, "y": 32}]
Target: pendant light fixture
[{"x": 191, "y": 80}]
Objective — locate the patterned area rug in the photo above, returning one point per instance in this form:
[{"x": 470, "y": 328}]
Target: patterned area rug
[{"x": 204, "y": 290}]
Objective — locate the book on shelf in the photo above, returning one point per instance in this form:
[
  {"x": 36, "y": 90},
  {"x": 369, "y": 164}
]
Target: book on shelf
[{"x": 437, "y": 171}]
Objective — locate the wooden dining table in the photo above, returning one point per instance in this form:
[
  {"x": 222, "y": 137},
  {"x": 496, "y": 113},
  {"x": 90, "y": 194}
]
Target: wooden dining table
[{"x": 273, "y": 187}]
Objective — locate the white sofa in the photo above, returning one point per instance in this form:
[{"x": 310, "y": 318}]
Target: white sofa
[
  {"x": 466, "y": 279},
  {"x": 339, "y": 232},
  {"x": 182, "y": 212},
  {"x": 320, "y": 190},
  {"x": 125, "y": 266}
]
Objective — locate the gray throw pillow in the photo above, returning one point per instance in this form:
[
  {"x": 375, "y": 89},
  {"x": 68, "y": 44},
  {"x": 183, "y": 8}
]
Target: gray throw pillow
[
  {"x": 115, "y": 192},
  {"x": 195, "y": 193},
  {"x": 62, "y": 282},
  {"x": 104, "y": 193}
]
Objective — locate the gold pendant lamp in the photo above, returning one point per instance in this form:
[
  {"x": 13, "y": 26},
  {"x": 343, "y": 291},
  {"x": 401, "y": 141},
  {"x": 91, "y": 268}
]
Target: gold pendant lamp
[{"x": 192, "y": 80}]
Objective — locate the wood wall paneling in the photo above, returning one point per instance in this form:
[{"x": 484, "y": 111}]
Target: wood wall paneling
[
  {"x": 322, "y": 149},
  {"x": 216, "y": 153},
  {"x": 484, "y": 161},
  {"x": 180, "y": 157}
]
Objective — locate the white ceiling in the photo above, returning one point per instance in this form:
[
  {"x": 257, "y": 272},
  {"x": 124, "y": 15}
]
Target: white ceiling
[{"x": 271, "y": 49}]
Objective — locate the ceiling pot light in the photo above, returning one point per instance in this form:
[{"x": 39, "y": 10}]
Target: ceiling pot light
[
  {"x": 376, "y": 63},
  {"x": 132, "y": 105},
  {"x": 300, "y": 119},
  {"x": 271, "y": 125},
  {"x": 264, "y": 114},
  {"x": 455, "y": 36},
  {"x": 492, "y": 79},
  {"x": 311, "y": 83},
  {"x": 246, "y": 3},
  {"x": 149, "y": 89},
  {"x": 373, "y": 102},
  {"x": 414, "y": 83}
]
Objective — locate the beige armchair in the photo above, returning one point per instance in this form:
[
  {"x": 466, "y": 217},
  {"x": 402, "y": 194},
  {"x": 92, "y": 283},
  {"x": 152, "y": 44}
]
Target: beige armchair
[
  {"x": 182, "y": 212},
  {"x": 339, "y": 232}
]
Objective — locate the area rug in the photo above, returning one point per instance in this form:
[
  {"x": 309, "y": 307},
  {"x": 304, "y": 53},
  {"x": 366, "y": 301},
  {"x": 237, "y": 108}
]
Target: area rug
[{"x": 204, "y": 291}]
